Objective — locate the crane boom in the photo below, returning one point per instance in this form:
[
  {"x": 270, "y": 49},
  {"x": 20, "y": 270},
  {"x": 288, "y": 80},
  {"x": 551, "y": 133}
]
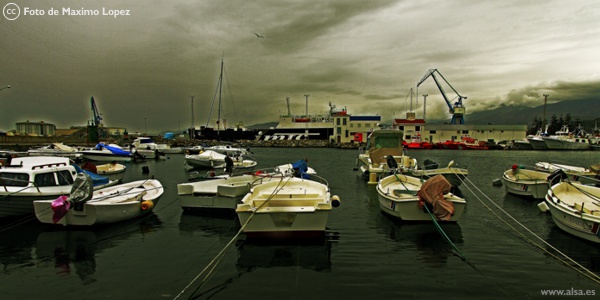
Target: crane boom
[
  {"x": 97, "y": 121},
  {"x": 457, "y": 110}
]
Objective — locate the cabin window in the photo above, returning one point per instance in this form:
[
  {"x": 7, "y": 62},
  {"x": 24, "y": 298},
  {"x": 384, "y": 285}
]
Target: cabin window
[
  {"x": 465, "y": 132},
  {"x": 45, "y": 179},
  {"x": 339, "y": 130},
  {"x": 337, "y": 120},
  {"x": 14, "y": 179},
  {"x": 65, "y": 178},
  {"x": 344, "y": 121},
  {"x": 432, "y": 132},
  {"x": 346, "y": 133},
  {"x": 417, "y": 128},
  {"x": 367, "y": 125}
]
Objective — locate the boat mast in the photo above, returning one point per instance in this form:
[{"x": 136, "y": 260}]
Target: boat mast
[{"x": 220, "y": 88}]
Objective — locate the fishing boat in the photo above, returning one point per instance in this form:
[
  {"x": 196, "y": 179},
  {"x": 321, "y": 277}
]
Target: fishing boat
[
  {"x": 288, "y": 207},
  {"x": 575, "y": 208},
  {"x": 526, "y": 182},
  {"x": 224, "y": 192},
  {"x": 565, "y": 140},
  {"x": 537, "y": 141},
  {"x": 409, "y": 199},
  {"x": 373, "y": 162},
  {"x": 105, "y": 206}
]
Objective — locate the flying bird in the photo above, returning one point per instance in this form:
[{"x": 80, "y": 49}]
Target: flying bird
[{"x": 258, "y": 35}]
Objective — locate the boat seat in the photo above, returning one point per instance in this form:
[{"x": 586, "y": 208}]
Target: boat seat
[
  {"x": 401, "y": 192},
  {"x": 581, "y": 207},
  {"x": 287, "y": 202}
]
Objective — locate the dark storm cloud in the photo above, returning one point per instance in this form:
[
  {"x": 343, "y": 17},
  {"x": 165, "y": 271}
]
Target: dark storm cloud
[{"x": 363, "y": 55}]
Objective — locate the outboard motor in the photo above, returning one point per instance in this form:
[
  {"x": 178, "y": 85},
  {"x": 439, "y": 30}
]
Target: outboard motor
[
  {"x": 557, "y": 175},
  {"x": 391, "y": 162},
  {"x": 430, "y": 164},
  {"x": 81, "y": 191}
]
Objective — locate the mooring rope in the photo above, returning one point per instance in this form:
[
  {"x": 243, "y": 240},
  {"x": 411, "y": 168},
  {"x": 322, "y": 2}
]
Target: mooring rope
[
  {"x": 583, "y": 270},
  {"x": 209, "y": 269}
]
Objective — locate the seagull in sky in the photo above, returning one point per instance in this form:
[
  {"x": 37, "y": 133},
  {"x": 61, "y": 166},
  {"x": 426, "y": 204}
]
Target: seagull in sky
[{"x": 258, "y": 35}]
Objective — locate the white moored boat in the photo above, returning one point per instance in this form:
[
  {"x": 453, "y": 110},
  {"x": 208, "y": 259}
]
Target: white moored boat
[
  {"x": 526, "y": 182},
  {"x": 574, "y": 173},
  {"x": 213, "y": 159},
  {"x": 30, "y": 178},
  {"x": 107, "y": 153},
  {"x": 575, "y": 208},
  {"x": 110, "y": 205},
  {"x": 399, "y": 196},
  {"x": 286, "y": 207},
  {"x": 56, "y": 149},
  {"x": 454, "y": 175},
  {"x": 113, "y": 171},
  {"x": 225, "y": 192}
]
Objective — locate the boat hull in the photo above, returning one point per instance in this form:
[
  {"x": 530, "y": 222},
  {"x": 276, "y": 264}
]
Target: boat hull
[
  {"x": 537, "y": 144},
  {"x": 560, "y": 144},
  {"x": 571, "y": 219},
  {"x": 285, "y": 208},
  {"x": 526, "y": 183},
  {"x": 126, "y": 201}
]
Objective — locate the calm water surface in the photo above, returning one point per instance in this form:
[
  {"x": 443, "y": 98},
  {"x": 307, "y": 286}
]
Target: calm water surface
[{"x": 366, "y": 254}]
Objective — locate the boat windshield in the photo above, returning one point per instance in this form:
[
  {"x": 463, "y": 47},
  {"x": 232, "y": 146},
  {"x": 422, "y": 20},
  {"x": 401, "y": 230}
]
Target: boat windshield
[{"x": 14, "y": 179}]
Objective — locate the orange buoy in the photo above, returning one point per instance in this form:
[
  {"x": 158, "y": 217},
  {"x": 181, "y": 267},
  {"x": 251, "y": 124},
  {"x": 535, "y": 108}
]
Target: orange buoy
[{"x": 147, "y": 205}]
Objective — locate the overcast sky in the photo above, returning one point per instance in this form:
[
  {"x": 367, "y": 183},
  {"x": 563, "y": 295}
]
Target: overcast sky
[{"x": 363, "y": 55}]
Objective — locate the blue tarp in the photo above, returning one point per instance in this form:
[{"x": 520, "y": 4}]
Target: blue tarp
[
  {"x": 169, "y": 136},
  {"x": 96, "y": 179},
  {"x": 114, "y": 150},
  {"x": 302, "y": 168}
]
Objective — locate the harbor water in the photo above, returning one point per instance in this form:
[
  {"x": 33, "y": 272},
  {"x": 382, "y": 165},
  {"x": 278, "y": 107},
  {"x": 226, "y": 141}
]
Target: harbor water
[{"x": 366, "y": 255}]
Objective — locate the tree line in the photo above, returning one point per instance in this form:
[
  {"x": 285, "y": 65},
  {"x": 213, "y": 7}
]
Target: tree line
[{"x": 555, "y": 123}]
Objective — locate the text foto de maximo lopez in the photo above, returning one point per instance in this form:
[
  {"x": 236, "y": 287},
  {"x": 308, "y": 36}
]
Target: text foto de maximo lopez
[{"x": 67, "y": 11}]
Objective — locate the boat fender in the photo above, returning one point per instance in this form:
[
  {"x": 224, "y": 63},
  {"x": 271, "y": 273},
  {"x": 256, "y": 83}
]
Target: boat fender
[
  {"x": 497, "y": 182},
  {"x": 147, "y": 205},
  {"x": 145, "y": 170},
  {"x": 335, "y": 201},
  {"x": 543, "y": 206}
]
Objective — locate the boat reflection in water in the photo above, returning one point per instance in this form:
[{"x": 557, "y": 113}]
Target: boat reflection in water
[
  {"x": 74, "y": 250},
  {"x": 313, "y": 254},
  {"x": 205, "y": 223},
  {"x": 584, "y": 252},
  {"x": 433, "y": 248}
]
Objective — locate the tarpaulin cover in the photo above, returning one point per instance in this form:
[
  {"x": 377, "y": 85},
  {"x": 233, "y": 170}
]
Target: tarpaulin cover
[
  {"x": 302, "y": 168},
  {"x": 96, "y": 179},
  {"x": 432, "y": 192},
  {"x": 114, "y": 150}
]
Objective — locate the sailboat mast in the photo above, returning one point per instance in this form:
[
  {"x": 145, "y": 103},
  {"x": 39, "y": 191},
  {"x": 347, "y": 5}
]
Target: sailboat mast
[{"x": 220, "y": 88}]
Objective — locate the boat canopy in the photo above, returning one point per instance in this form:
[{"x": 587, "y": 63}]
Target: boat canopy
[{"x": 384, "y": 142}]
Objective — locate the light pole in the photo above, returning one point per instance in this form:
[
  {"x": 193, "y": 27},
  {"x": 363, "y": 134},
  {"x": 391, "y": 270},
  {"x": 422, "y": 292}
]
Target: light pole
[
  {"x": 306, "y": 124},
  {"x": 145, "y": 127}
]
